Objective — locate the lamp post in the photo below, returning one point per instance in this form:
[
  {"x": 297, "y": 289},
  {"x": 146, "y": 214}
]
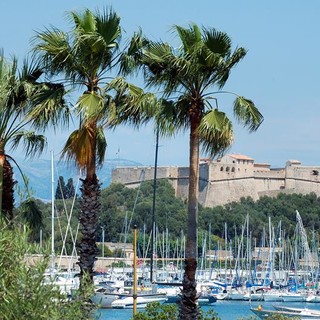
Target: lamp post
[{"x": 154, "y": 207}]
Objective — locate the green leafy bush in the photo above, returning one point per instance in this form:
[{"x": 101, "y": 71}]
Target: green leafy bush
[
  {"x": 23, "y": 294},
  {"x": 159, "y": 311}
]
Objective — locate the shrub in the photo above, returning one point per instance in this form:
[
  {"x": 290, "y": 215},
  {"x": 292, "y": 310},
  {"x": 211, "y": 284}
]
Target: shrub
[
  {"x": 159, "y": 311},
  {"x": 23, "y": 294}
]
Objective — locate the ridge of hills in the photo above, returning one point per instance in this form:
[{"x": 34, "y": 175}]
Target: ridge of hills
[{"x": 39, "y": 174}]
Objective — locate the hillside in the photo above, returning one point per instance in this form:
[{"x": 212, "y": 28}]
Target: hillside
[{"x": 39, "y": 174}]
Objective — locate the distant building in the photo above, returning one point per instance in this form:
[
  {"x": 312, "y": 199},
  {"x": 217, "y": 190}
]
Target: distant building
[
  {"x": 125, "y": 249},
  {"x": 230, "y": 178}
]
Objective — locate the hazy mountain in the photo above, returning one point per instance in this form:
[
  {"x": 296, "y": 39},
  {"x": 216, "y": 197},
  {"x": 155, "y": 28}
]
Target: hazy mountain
[{"x": 39, "y": 174}]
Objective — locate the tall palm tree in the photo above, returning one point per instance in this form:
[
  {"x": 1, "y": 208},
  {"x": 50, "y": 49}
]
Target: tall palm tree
[
  {"x": 186, "y": 76},
  {"x": 16, "y": 90},
  {"x": 86, "y": 59}
]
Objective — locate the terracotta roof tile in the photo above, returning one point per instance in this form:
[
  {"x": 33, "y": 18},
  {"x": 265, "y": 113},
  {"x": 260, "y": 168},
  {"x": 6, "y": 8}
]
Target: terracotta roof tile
[{"x": 240, "y": 157}]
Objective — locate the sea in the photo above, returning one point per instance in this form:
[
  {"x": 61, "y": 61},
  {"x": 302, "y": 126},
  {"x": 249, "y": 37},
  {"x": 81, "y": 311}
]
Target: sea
[{"x": 226, "y": 310}]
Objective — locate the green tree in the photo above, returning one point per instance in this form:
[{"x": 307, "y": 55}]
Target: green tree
[
  {"x": 202, "y": 61},
  {"x": 69, "y": 190},
  {"x": 61, "y": 188},
  {"x": 85, "y": 58}
]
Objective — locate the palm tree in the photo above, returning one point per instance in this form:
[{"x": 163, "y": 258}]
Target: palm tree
[
  {"x": 85, "y": 59},
  {"x": 16, "y": 90},
  {"x": 203, "y": 61}
]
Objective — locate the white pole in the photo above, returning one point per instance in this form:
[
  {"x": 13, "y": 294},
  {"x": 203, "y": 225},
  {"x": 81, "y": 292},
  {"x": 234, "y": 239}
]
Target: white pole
[
  {"x": 40, "y": 240},
  {"x": 102, "y": 241},
  {"x": 52, "y": 212}
]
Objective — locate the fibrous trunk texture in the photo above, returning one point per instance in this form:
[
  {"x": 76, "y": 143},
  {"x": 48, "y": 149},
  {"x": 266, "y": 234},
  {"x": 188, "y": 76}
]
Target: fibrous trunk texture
[
  {"x": 8, "y": 191},
  {"x": 90, "y": 207},
  {"x": 189, "y": 309}
]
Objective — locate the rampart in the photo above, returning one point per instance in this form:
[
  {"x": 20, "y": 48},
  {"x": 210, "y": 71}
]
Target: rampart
[{"x": 229, "y": 179}]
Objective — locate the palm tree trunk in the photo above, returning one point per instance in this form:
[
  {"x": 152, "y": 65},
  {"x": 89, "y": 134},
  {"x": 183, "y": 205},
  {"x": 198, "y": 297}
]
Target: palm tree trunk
[
  {"x": 8, "y": 191},
  {"x": 90, "y": 207},
  {"x": 2, "y": 159},
  {"x": 188, "y": 304},
  {"x": 89, "y": 215}
]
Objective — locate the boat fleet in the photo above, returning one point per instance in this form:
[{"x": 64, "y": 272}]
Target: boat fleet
[
  {"x": 111, "y": 292},
  {"x": 284, "y": 275}
]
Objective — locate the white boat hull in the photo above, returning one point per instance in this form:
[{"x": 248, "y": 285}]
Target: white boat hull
[
  {"x": 302, "y": 314},
  {"x": 104, "y": 300},
  {"x": 142, "y": 301},
  {"x": 293, "y": 298}
]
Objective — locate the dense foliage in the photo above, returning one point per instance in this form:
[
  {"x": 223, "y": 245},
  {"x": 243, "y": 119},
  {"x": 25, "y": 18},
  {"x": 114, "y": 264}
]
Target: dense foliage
[
  {"x": 121, "y": 208},
  {"x": 169, "y": 312},
  {"x": 23, "y": 294},
  {"x": 282, "y": 208}
]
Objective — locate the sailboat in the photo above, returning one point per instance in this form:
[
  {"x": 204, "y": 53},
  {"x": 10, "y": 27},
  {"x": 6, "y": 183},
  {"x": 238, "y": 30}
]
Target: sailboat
[{"x": 67, "y": 281}]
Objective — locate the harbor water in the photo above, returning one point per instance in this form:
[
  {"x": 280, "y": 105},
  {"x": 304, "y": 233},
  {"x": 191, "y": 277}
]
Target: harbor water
[{"x": 226, "y": 310}]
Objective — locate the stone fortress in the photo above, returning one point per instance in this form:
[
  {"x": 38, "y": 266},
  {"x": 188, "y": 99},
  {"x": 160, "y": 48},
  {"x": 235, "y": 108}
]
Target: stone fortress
[{"x": 230, "y": 178}]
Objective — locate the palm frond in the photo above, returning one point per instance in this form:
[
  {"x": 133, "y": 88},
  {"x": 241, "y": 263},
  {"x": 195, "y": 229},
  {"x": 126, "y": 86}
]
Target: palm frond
[
  {"x": 33, "y": 144},
  {"x": 48, "y": 106},
  {"x": 80, "y": 147},
  {"x": 166, "y": 118},
  {"x": 108, "y": 26},
  {"x": 90, "y": 105},
  {"x": 130, "y": 104},
  {"x": 189, "y": 37},
  {"x": 217, "y": 42},
  {"x": 130, "y": 61},
  {"x": 101, "y": 144},
  {"x": 225, "y": 69},
  {"x": 247, "y": 113},
  {"x": 53, "y": 50},
  {"x": 216, "y": 133},
  {"x": 32, "y": 214},
  {"x": 84, "y": 22}
]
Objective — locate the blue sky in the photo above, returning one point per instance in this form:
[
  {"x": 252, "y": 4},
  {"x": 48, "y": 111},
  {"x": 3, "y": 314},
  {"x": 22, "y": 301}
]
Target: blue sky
[{"x": 280, "y": 73}]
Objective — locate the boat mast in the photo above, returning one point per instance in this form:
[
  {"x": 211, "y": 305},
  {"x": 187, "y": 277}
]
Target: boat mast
[{"x": 52, "y": 213}]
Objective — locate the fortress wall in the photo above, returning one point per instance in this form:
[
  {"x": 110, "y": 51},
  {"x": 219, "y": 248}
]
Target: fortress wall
[
  {"x": 203, "y": 191},
  {"x": 275, "y": 193},
  {"x": 204, "y": 172},
  {"x": 267, "y": 184},
  {"x": 305, "y": 187},
  {"x": 182, "y": 190},
  {"x": 306, "y": 173},
  {"x": 182, "y": 187},
  {"x": 132, "y": 176},
  {"x": 296, "y": 175},
  {"x": 222, "y": 192},
  {"x": 276, "y": 174}
]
